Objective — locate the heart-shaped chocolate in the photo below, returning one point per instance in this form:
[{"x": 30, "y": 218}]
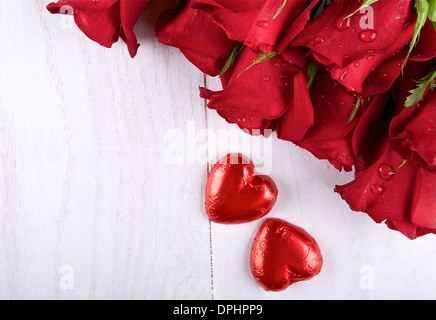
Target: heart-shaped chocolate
[
  {"x": 283, "y": 254},
  {"x": 234, "y": 194}
]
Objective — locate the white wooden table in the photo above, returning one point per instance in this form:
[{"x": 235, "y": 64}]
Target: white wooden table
[{"x": 100, "y": 199}]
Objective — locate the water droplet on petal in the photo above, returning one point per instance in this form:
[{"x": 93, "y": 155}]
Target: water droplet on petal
[
  {"x": 377, "y": 189},
  {"x": 343, "y": 76},
  {"x": 343, "y": 24},
  {"x": 318, "y": 40},
  {"x": 368, "y": 36},
  {"x": 385, "y": 171},
  {"x": 263, "y": 24},
  {"x": 266, "y": 78}
]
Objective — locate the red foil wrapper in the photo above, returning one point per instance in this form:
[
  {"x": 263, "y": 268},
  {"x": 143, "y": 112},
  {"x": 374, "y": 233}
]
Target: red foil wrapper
[
  {"x": 283, "y": 254},
  {"x": 234, "y": 194}
]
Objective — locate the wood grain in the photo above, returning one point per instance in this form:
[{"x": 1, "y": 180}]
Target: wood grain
[{"x": 103, "y": 163}]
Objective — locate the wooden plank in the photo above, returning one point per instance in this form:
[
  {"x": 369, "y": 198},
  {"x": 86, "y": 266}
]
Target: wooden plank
[{"x": 88, "y": 182}]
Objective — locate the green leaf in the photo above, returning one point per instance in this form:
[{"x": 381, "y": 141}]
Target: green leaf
[
  {"x": 232, "y": 58},
  {"x": 432, "y": 10},
  {"x": 355, "y": 109},
  {"x": 279, "y": 10},
  {"x": 417, "y": 94},
  {"x": 399, "y": 167},
  {"x": 422, "y": 8},
  {"x": 365, "y": 4},
  {"x": 262, "y": 57},
  {"x": 311, "y": 71}
]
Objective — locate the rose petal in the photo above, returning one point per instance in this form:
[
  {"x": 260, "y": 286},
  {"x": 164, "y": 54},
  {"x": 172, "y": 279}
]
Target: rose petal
[
  {"x": 263, "y": 90},
  {"x": 419, "y": 131},
  {"x": 209, "y": 48},
  {"x": 105, "y": 21},
  {"x": 300, "y": 116},
  {"x": 330, "y": 136},
  {"x": 391, "y": 199},
  {"x": 254, "y": 23},
  {"x": 342, "y": 49}
]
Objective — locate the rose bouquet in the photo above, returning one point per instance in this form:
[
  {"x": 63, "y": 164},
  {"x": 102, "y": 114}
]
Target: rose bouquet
[{"x": 349, "y": 81}]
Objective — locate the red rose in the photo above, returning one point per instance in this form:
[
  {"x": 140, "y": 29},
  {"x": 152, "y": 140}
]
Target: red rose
[
  {"x": 254, "y": 97},
  {"x": 258, "y": 24},
  {"x": 257, "y": 97},
  {"x": 105, "y": 21},
  {"x": 405, "y": 199},
  {"x": 396, "y": 178},
  {"x": 331, "y": 135},
  {"x": 352, "y": 52},
  {"x": 207, "y": 50},
  {"x": 413, "y": 130}
]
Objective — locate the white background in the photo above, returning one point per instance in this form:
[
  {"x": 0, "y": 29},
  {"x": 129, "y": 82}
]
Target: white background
[{"x": 87, "y": 191}]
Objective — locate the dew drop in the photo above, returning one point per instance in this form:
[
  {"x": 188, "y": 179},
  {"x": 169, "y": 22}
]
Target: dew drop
[
  {"x": 385, "y": 171},
  {"x": 343, "y": 24},
  {"x": 343, "y": 76},
  {"x": 318, "y": 40},
  {"x": 368, "y": 36},
  {"x": 263, "y": 24},
  {"x": 266, "y": 78},
  {"x": 377, "y": 189}
]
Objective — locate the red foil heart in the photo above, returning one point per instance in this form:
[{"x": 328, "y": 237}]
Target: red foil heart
[
  {"x": 283, "y": 254},
  {"x": 234, "y": 194}
]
